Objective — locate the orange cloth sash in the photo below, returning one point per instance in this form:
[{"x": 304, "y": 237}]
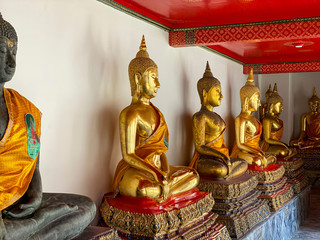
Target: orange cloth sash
[
  {"x": 16, "y": 166},
  {"x": 252, "y": 142},
  {"x": 218, "y": 144},
  {"x": 313, "y": 130},
  {"x": 156, "y": 143},
  {"x": 276, "y": 135}
]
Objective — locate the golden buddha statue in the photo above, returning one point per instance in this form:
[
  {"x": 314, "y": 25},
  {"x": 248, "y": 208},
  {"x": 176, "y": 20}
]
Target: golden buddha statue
[
  {"x": 271, "y": 143},
  {"x": 272, "y": 184},
  {"x": 156, "y": 200},
  {"x": 310, "y": 126},
  {"x": 211, "y": 157},
  {"x": 273, "y": 127},
  {"x": 248, "y": 128},
  {"x": 263, "y": 107},
  {"x": 144, "y": 170}
]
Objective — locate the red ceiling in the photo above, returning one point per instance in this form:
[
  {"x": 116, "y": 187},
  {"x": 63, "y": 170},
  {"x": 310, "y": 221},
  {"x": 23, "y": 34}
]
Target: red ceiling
[{"x": 283, "y": 23}]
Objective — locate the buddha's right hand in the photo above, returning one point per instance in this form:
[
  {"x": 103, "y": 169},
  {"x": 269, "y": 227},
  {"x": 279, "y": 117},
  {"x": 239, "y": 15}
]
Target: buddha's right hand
[{"x": 165, "y": 189}]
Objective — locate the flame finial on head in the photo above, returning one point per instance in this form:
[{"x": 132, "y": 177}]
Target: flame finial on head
[
  {"x": 143, "y": 45},
  {"x": 275, "y": 88},
  {"x": 207, "y": 73},
  {"x": 250, "y": 77},
  {"x": 142, "y": 49},
  {"x": 269, "y": 91},
  {"x": 314, "y": 91}
]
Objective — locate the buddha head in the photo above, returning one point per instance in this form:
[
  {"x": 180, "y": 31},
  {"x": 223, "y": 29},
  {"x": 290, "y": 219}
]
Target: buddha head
[
  {"x": 143, "y": 74},
  {"x": 275, "y": 102},
  {"x": 8, "y": 49},
  {"x": 268, "y": 92},
  {"x": 314, "y": 101},
  {"x": 209, "y": 89},
  {"x": 250, "y": 95}
]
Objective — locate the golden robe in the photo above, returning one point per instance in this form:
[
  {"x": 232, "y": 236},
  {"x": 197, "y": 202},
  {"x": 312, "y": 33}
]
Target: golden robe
[
  {"x": 250, "y": 141},
  {"x": 275, "y": 135},
  {"x": 19, "y": 148},
  {"x": 218, "y": 144},
  {"x": 155, "y": 144}
]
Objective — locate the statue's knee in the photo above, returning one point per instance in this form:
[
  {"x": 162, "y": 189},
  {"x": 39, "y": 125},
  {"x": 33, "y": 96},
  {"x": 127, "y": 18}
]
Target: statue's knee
[{"x": 209, "y": 167}]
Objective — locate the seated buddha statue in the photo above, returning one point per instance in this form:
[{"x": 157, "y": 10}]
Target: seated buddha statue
[
  {"x": 144, "y": 170},
  {"x": 248, "y": 129},
  {"x": 273, "y": 127},
  {"x": 211, "y": 157},
  {"x": 263, "y": 107},
  {"x": 310, "y": 126},
  {"x": 26, "y": 212}
]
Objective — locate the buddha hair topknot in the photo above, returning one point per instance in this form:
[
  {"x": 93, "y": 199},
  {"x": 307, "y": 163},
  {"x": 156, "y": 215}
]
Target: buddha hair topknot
[
  {"x": 6, "y": 30},
  {"x": 139, "y": 65},
  {"x": 274, "y": 97},
  {"x": 207, "y": 82}
]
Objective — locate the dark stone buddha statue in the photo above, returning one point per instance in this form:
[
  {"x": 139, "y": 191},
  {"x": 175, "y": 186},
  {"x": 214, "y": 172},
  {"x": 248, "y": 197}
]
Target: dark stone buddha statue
[{"x": 26, "y": 212}]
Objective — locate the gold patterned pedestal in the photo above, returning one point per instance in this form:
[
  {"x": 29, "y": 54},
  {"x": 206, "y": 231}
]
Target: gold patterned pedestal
[
  {"x": 237, "y": 203},
  {"x": 294, "y": 173},
  {"x": 272, "y": 184},
  {"x": 184, "y": 216},
  {"x": 311, "y": 161}
]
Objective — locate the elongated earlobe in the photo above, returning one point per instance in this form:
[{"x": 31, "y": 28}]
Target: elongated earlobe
[{"x": 137, "y": 80}]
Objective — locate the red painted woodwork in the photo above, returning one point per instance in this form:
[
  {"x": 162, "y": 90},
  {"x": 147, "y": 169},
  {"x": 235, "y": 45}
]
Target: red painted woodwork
[
  {"x": 147, "y": 205},
  {"x": 199, "y": 13},
  {"x": 262, "y": 33}
]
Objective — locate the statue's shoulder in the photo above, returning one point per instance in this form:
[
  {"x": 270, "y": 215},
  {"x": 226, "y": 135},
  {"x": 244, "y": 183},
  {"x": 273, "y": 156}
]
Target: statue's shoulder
[
  {"x": 17, "y": 100},
  {"x": 199, "y": 116},
  {"x": 129, "y": 112}
]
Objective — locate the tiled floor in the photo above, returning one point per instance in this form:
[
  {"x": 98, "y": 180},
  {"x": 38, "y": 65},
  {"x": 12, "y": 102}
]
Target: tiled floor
[{"x": 310, "y": 228}]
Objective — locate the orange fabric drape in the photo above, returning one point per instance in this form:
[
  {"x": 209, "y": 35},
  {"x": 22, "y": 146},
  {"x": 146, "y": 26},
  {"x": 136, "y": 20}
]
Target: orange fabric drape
[
  {"x": 218, "y": 144},
  {"x": 313, "y": 130},
  {"x": 16, "y": 166},
  {"x": 156, "y": 143},
  {"x": 251, "y": 141},
  {"x": 276, "y": 135}
]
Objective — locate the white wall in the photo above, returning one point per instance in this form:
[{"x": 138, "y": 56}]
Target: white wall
[{"x": 72, "y": 63}]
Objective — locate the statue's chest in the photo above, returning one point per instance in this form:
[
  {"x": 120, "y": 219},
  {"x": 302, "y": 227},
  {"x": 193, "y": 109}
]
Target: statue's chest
[
  {"x": 214, "y": 126},
  {"x": 147, "y": 123},
  {"x": 251, "y": 128}
]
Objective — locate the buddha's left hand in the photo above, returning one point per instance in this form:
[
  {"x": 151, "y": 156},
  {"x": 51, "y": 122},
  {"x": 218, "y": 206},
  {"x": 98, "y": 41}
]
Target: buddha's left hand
[
  {"x": 31, "y": 200},
  {"x": 24, "y": 209}
]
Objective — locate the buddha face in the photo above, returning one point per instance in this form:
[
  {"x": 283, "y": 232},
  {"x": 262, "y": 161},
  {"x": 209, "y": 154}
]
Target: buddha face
[
  {"x": 8, "y": 50},
  {"x": 214, "y": 96},
  {"x": 313, "y": 105},
  {"x": 278, "y": 108},
  {"x": 254, "y": 102},
  {"x": 149, "y": 83}
]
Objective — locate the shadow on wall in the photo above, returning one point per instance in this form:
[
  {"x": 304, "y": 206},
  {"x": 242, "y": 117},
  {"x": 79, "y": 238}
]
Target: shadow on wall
[
  {"x": 301, "y": 96},
  {"x": 186, "y": 122},
  {"x": 230, "y": 136},
  {"x": 104, "y": 80}
]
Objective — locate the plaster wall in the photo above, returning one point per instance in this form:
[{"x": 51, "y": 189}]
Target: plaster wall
[{"x": 72, "y": 64}]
